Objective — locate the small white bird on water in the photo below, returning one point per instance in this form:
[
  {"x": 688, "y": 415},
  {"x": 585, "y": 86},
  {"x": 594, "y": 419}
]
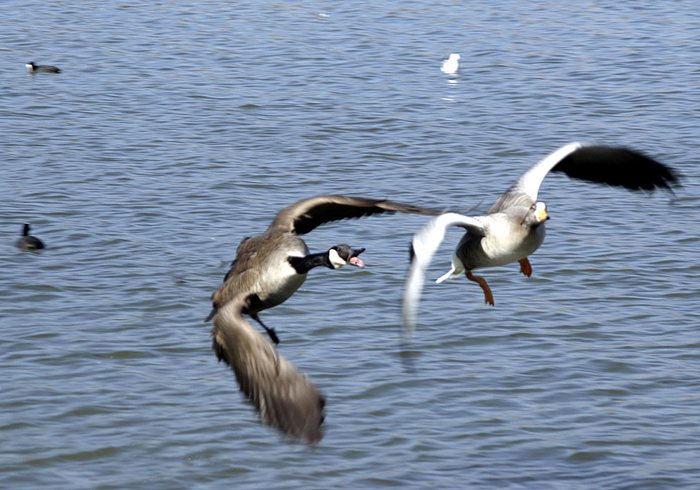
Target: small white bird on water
[{"x": 451, "y": 64}]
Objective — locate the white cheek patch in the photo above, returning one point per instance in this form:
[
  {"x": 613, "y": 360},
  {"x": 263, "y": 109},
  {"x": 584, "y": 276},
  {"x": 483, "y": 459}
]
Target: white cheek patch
[{"x": 336, "y": 260}]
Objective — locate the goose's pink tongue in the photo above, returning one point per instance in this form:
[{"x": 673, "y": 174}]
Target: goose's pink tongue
[{"x": 356, "y": 261}]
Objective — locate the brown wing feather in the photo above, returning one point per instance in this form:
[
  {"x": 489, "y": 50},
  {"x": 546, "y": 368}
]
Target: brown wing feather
[
  {"x": 307, "y": 214},
  {"x": 282, "y": 396}
]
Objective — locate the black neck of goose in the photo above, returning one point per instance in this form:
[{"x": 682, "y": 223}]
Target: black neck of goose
[{"x": 304, "y": 264}]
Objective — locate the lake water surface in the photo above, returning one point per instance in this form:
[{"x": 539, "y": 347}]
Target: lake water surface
[{"x": 175, "y": 130}]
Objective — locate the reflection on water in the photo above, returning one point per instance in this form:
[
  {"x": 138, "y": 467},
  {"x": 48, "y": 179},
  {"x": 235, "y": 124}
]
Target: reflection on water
[{"x": 453, "y": 94}]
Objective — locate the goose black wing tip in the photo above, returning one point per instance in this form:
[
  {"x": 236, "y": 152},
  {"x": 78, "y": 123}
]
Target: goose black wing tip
[{"x": 619, "y": 167}]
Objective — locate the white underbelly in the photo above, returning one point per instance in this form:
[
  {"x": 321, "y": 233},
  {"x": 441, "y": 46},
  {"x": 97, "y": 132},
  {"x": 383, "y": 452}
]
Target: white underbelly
[
  {"x": 280, "y": 288},
  {"x": 505, "y": 252},
  {"x": 281, "y": 280}
]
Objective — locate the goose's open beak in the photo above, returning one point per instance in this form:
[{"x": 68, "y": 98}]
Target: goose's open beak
[{"x": 355, "y": 260}]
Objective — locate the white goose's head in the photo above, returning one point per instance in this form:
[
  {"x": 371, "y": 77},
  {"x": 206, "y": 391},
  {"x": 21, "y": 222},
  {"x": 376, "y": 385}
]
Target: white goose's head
[{"x": 536, "y": 215}]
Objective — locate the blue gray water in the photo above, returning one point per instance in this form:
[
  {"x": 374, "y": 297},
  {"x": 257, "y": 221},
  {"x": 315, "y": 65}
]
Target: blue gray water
[{"x": 175, "y": 130}]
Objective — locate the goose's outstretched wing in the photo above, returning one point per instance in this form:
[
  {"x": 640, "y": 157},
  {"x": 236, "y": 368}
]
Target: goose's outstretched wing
[
  {"x": 307, "y": 214},
  {"x": 615, "y": 166},
  {"x": 282, "y": 396},
  {"x": 424, "y": 245}
]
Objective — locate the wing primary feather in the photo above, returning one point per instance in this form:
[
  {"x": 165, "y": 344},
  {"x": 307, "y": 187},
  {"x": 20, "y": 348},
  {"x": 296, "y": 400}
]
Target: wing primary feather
[
  {"x": 614, "y": 166},
  {"x": 307, "y": 214},
  {"x": 617, "y": 166},
  {"x": 282, "y": 396}
]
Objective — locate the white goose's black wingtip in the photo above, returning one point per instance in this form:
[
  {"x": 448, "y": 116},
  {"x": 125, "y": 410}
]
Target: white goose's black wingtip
[{"x": 618, "y": 166}]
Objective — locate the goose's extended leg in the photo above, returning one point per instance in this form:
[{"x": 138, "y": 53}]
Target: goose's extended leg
[
  {"x": 488, "y": 295},
  {"x": 525, "y": 267},
  {"x": 270, "y": 331}
]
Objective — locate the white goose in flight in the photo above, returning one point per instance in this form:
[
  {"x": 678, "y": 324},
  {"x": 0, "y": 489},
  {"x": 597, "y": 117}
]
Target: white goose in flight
[{"x": 515, "y": 225}]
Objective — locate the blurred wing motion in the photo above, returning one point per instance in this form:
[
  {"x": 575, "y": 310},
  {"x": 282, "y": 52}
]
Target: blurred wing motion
[
  {"x": 424, "y": 245},
  {"x": 282, "y": 396},
  {"x": 613, "y": 166},
  {"x": 307, "y": 214}
]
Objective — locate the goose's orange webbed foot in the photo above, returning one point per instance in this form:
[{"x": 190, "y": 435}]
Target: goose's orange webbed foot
[{"x": 525, "y": 267}]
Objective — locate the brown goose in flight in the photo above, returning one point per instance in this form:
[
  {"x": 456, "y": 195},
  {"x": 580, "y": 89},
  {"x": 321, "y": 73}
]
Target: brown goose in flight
[
  {"x": 271, "y": 266},
  {"x": 268, "y": 269}
]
